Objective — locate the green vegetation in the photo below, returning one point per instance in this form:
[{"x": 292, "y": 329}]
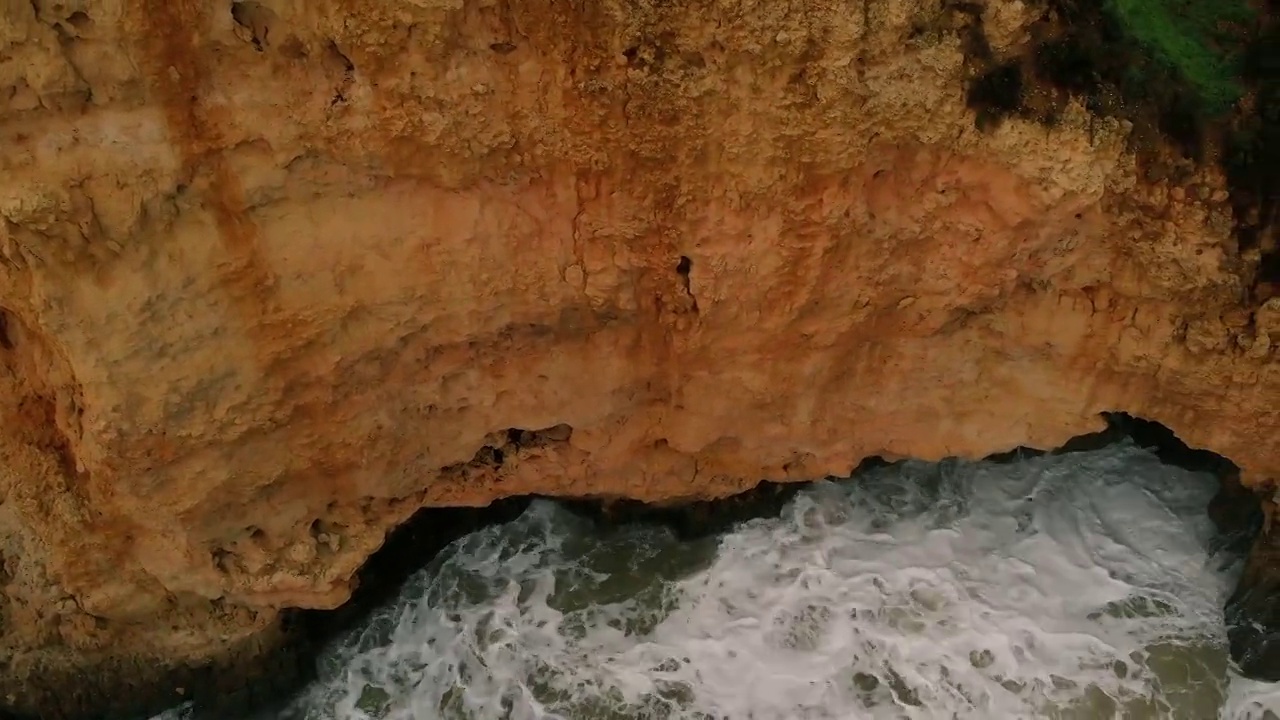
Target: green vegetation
[
  {"x": 1172, "y": 67},
  {"x": 1199, "y": 40},
  {"x": 1199, "y": 81}
]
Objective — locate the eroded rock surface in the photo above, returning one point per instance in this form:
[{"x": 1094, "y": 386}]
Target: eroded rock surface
[{"x": 276, "y": 274}]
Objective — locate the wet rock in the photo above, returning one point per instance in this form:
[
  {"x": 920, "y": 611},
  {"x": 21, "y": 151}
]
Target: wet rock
[
  {"x": 257, "y": 677},
  {"x": 1253, "y": 612}
]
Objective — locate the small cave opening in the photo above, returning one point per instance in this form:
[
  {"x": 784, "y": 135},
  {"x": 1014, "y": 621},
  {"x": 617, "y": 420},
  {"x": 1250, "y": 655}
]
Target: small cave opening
[
  {"x": 407, "y": 550},
  {"x": 996, "y": 94},
  {"x": 256, "y": 22},
  {"x": 6, "y": 336},
  {"x": 617, "y": 535},
  {"x": 80, "y": 20}
]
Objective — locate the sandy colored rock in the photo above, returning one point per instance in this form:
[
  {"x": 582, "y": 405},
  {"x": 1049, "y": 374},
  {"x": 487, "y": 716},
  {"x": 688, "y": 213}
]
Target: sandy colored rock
[{"x": 276, "y": 274}]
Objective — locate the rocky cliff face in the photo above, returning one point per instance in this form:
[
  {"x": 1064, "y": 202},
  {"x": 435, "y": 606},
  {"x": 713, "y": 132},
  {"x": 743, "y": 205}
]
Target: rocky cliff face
[{"x": 274, "y": 275}]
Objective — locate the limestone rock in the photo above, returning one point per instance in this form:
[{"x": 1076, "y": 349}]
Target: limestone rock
[{"x": 277, "y": 274}]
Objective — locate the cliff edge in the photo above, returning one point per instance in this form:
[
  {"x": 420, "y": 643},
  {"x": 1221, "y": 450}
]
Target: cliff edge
[{"x": 275, "y": 275}]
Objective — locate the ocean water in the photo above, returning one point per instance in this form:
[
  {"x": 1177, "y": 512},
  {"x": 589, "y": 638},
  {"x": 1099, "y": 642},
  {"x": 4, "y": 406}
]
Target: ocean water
[{"x": 1087, "y": 585}]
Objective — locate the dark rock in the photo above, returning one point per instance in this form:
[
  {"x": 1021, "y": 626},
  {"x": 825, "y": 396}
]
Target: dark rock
[{"x": 1253, "y": 613}]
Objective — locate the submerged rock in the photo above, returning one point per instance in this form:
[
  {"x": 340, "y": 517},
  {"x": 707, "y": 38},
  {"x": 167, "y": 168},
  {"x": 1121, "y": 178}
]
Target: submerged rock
[{"x": 1253, "y": 611}]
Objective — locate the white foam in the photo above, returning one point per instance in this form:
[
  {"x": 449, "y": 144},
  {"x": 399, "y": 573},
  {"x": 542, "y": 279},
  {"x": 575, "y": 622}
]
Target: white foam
[{"x": 1078, "y": 586}]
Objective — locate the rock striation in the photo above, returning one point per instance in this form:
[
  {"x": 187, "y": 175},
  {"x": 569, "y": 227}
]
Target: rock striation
[{"x": 275, "y": 275}]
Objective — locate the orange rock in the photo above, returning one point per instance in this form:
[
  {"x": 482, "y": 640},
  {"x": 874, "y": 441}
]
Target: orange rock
[{"x": 271, "y": 282}]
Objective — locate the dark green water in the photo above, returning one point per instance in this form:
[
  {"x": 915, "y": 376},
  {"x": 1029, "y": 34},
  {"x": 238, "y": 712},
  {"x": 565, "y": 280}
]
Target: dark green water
[{"x": 1087, "y": 585}]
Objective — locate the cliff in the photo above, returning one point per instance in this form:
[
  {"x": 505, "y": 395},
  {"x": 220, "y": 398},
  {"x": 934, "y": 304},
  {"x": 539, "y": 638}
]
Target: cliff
[{"x": 275, "y": 275}]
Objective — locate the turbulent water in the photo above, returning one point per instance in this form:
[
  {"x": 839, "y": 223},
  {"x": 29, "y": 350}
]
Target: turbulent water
[{"x": 1087, "y": 585}]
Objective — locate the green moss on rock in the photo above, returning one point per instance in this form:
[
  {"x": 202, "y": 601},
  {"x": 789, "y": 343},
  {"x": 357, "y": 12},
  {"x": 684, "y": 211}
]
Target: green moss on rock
[{"x": 1199, "y": 40}]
